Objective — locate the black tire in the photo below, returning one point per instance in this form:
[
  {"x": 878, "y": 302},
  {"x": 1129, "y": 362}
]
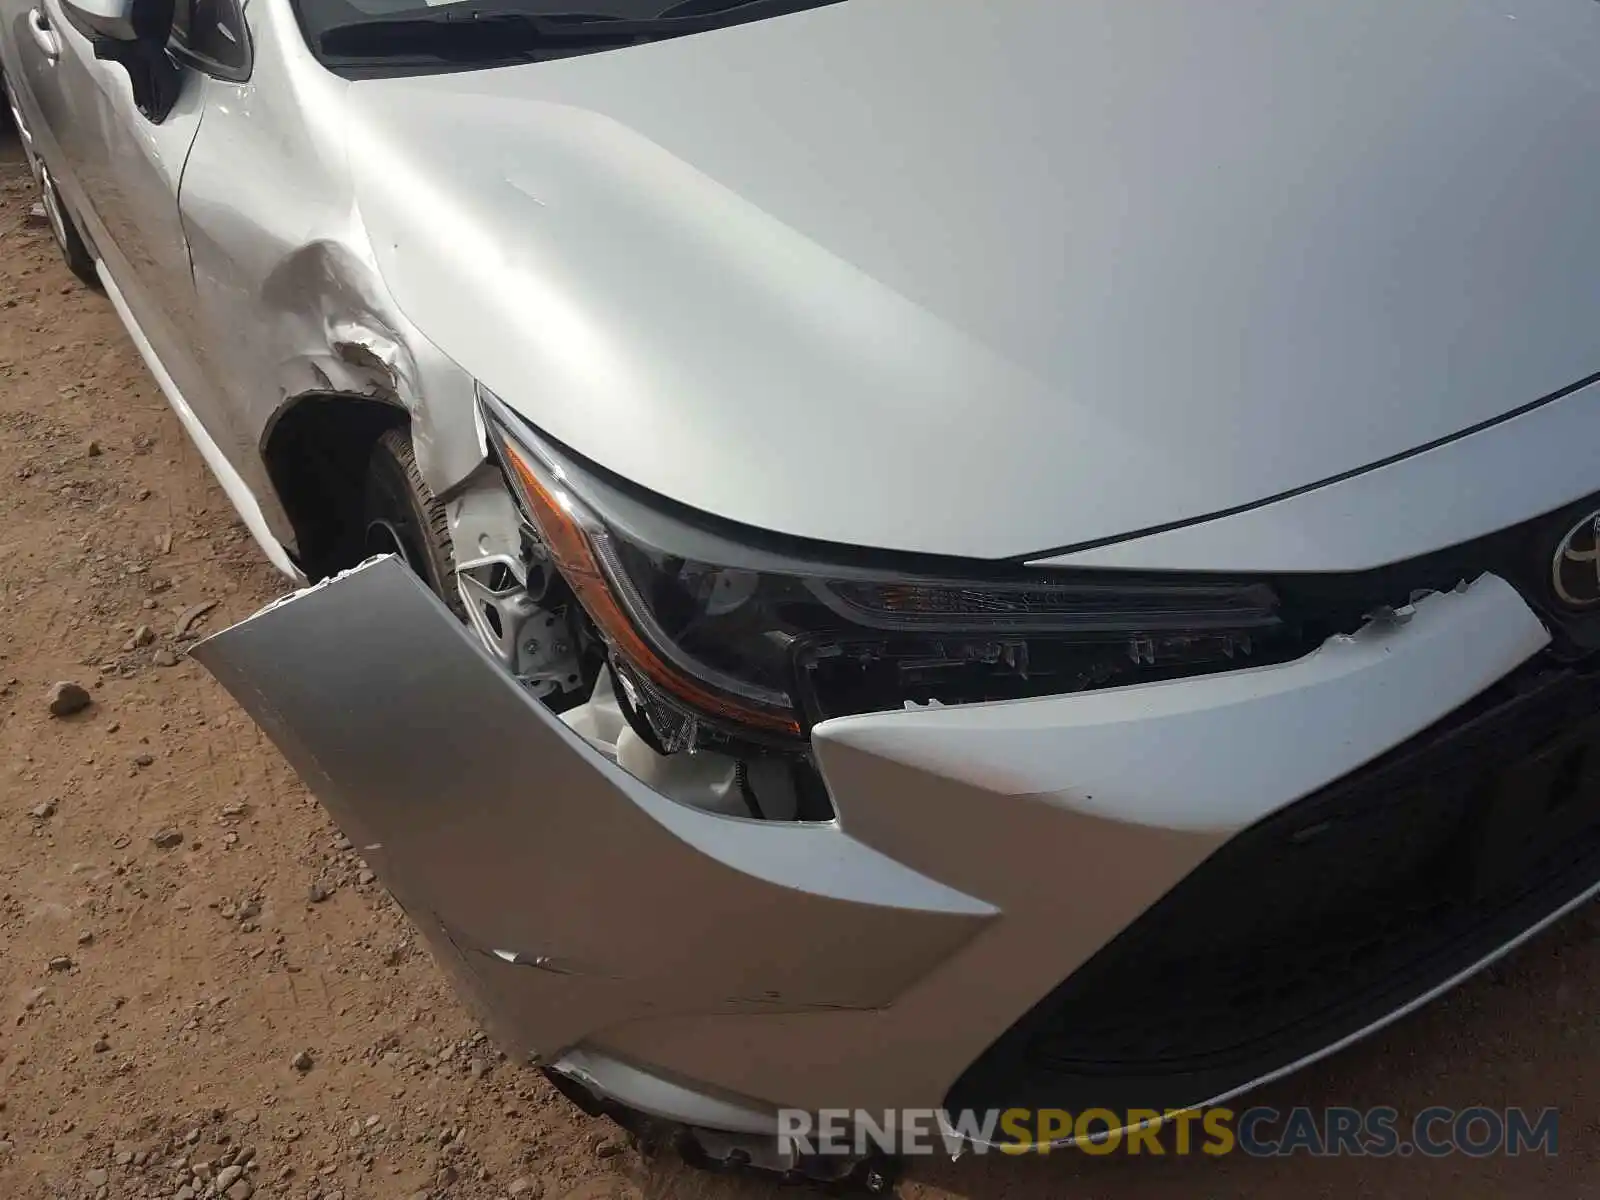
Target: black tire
[
  {"x": 68, "y": 240},
  {"x": 400, "y": 515}
]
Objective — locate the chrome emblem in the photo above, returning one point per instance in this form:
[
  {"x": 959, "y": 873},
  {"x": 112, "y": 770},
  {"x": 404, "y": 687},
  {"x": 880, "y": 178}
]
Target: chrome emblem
[{"x": 1575, "y": 573}]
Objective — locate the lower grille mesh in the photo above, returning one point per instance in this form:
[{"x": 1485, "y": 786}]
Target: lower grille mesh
[{"x": 1328, "y": 915}]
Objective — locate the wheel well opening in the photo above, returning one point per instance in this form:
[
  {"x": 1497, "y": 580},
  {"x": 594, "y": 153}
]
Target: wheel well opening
[{"x": 317, "y": 455}]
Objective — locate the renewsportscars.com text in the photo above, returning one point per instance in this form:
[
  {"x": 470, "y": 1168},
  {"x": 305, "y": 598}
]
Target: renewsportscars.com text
[{"x": 1434, "y": 1132}]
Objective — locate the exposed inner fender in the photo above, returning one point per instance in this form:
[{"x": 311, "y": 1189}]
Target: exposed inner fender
[{"x": 317, "y": 454}]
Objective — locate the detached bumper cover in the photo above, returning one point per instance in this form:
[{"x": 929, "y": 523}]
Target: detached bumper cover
[
  {"x": 573, "y": 897},
  {"x": 982, "y": 854}
]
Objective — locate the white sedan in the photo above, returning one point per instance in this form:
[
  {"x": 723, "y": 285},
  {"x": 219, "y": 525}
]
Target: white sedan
[{"x": 1039, "y": 553}]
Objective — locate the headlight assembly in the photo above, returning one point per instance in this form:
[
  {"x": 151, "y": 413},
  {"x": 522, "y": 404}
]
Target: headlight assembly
[{"x": 712, "y": 636}]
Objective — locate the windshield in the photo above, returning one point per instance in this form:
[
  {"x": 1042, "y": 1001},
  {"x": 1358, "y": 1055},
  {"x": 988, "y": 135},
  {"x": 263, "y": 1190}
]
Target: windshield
[{"x": 358, "y": 38}]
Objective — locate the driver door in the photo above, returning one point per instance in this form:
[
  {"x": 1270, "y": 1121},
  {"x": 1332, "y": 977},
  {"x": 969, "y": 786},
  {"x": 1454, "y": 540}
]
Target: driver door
[
  {"x": 42, "y": 102},
  {"x": 120, "y": 173}
]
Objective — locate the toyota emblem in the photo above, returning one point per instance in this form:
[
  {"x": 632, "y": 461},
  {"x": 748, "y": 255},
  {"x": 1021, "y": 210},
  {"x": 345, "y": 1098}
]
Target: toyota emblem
[{"x": 1575, "y": 572}]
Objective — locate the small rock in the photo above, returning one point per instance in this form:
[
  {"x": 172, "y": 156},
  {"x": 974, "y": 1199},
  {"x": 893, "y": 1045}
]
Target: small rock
[
  {"x": 478, "y": 1068},
  {"x": 167, "y": 839},
  {"x": 242, "y": 1189},
  {"x": 301, "y": 1062},
  {"x": 237, "y": 808},
  {"x": 101, "y": 1045},
  {"x": 67, "y": 698},
  {"x": 226, "y": 1177},
  {"x": 61, "y": 963},
  {"x": 609, "y": 1149},
  {"x": 144, "y": 760},
  {"x": 85, "y": 937},
  {"x": 245, "y": 1116},
  {"x": 184, "y": 1193},
  {"x": 93, "y": 449},
  {"x": 317, "y": 893},
  {"x": 189, "y": 616},
  {"x": 521, "y": 1186},
  {"x": 97, "y": 1177},
  {"x": 164, "y": 658},
  {"x": 143, "y": 636},
  {"x": 366, "y": 877},
  {"x": 43, "y": 812}
]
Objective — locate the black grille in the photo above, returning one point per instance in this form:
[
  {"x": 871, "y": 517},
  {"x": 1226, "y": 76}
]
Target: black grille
[
  {"x": 1328, "y": 915},
  {"x": 1321, "y": 604}
]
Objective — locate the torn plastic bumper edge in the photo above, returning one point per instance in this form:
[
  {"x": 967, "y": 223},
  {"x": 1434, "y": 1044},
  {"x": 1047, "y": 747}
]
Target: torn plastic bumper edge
[{"x": 565, "y": 896}]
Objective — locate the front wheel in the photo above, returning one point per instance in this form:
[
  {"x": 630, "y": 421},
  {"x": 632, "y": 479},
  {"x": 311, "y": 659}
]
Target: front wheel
[{"x": 401, "y": 516}]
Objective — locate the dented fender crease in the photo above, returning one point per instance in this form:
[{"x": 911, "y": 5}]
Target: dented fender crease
[
  {"x": 504, "y": 834},
  {"x": 339, "y": 333},
  {"x": 289, "y": 295}
]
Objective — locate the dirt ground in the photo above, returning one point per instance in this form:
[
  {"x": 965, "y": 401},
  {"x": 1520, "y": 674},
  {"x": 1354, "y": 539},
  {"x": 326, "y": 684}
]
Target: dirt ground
[{"x": 153, "y": 997}]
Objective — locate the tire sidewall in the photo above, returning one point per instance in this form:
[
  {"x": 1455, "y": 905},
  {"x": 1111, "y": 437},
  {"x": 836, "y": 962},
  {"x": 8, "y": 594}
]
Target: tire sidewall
[{"x": 395, "y": 494}]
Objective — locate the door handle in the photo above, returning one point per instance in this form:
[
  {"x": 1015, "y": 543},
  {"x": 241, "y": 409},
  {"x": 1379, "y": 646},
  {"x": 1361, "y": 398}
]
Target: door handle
[{"x": 48, "y": 41}]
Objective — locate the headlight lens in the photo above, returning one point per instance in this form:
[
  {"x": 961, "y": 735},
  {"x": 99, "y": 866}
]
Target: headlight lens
[{"x": 711, "y": 636}]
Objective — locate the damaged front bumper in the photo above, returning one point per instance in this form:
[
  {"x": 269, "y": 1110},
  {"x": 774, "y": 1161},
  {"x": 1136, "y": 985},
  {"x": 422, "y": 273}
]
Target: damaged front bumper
[{"x": 710, "y": 969}]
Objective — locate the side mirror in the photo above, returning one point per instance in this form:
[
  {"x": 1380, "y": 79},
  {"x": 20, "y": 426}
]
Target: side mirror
[
  {"x": 133, "y": 34},
  {"x": 111, "y": 19}
]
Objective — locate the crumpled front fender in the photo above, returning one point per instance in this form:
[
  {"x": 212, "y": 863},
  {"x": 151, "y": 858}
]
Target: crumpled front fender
[{"x": 564, "y": 894}]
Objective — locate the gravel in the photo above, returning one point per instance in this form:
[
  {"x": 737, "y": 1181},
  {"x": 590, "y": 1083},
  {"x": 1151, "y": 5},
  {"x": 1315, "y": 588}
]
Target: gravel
[{"x": 68, "y": 698}]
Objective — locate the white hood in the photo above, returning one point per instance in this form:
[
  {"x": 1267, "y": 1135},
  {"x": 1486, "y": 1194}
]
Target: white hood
[{"x": 995, "y": 278}]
